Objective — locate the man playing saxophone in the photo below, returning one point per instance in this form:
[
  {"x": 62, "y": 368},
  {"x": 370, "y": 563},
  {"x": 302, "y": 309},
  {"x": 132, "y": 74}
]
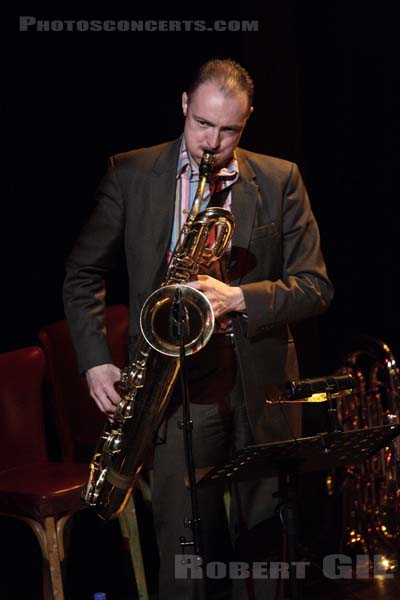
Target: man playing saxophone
[{"x": 272, "y": 274}]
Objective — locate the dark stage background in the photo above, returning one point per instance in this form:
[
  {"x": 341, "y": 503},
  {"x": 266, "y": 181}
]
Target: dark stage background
[
  {"x": 327, "y": 85},
  {"x": 327, "y": 97}
]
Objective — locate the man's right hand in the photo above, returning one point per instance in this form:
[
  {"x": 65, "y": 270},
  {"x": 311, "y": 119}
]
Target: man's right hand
[{"x": 101, "y": 381}]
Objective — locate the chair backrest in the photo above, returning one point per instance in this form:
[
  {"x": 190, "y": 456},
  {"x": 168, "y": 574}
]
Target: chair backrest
[
  {"x": 22, "y": 431},
  {"x": 78, "y": 421}
]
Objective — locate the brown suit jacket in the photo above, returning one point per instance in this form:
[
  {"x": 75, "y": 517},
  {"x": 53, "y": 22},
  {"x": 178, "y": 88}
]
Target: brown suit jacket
[{"x": 275, "y": 258}]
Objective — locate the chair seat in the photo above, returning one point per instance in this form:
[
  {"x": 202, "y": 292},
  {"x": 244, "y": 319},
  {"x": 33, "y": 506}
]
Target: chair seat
[{"x": 42, "y": 489}]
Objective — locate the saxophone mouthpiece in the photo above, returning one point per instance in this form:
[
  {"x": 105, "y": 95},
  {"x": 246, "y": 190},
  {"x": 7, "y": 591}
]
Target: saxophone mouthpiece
[{"x": 207, "y": 163}]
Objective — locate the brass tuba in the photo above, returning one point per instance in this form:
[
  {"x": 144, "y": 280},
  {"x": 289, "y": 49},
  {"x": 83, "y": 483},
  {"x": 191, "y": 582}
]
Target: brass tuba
[
  {"x": 147, "y": 382},
  {"x": 371, "y": 490}
]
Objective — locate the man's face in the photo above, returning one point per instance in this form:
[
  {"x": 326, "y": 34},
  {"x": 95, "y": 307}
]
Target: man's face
[{"x": 214, "y": 121}]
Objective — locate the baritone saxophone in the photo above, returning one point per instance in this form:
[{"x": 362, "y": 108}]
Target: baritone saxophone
[{"x": 147, "y": 382}]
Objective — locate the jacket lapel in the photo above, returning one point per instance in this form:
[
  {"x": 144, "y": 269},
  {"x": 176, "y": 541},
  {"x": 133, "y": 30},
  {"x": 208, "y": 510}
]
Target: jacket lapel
[
  {"x": 162, "y": 197},
  {"x": 244, "y": 202}
]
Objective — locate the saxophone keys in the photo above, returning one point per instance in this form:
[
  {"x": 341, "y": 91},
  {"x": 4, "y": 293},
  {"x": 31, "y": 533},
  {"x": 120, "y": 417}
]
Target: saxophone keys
[
  {"x": 125, "y": 408},
  {"x": 113, "y": 444}
]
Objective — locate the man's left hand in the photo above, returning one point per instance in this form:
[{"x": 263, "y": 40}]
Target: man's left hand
[{"x": 223, "y": 297}]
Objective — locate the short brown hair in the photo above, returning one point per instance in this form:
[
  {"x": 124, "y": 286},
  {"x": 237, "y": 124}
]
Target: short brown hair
[{"x": 228, "y": 74}]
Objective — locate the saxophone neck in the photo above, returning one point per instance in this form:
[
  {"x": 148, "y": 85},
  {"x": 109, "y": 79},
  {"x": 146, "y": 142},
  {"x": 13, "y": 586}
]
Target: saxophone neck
[{"x": 206, "y": 165}]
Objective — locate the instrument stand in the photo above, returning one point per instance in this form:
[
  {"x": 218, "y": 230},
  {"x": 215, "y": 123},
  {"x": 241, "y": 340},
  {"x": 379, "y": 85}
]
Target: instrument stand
[
  {"x": 287, "y": 491},
  {"x": 288, "y": 459},
  {"x": 332, "y": 411},
  {"x": 187, "y": 426}
]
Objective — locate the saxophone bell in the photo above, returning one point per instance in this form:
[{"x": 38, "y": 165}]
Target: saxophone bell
[{"x": 156, "y": 315}]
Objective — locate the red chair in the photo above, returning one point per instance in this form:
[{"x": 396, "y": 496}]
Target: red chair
[
  {"x": 78, "y": 420},
  {"x": 42, "y": 494}
]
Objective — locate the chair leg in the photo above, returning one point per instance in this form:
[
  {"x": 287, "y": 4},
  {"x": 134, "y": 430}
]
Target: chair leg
[
  {"x": 130, "y": 530},
  {"x": 60, "y": 527},
  {"x": 48, "y": 538},
  {"x": 46, "y": 580},
  {"x": 145, "y": 488},
  {"x": 53, "y": 562}
]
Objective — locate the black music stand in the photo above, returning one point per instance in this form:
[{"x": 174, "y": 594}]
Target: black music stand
[{"x": 288, "y": 459}]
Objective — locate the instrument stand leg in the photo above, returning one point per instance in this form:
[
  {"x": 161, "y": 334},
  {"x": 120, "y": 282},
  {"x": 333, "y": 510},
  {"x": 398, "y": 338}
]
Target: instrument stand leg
[
  {"x": 288, "y": 493},
  {"x": 186, "y": 425},
  {"x": 334, "y": 426}
]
